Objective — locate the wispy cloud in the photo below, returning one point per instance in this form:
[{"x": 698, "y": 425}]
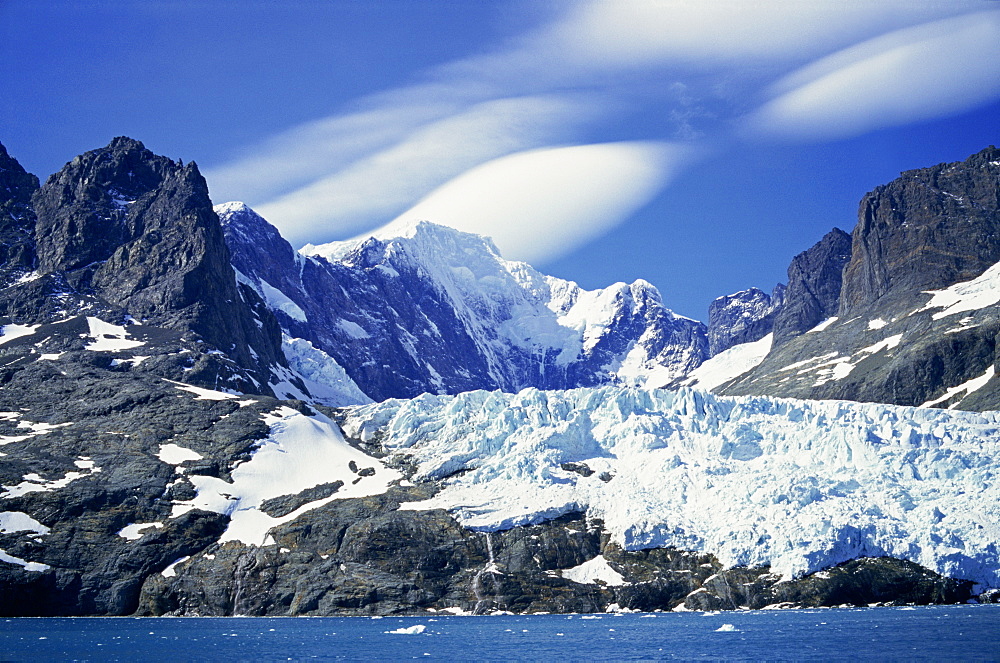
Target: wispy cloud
[
  {"x": 696, "y": 67},
  {"x": 541, "y": 204},
  {"x": 909, "y": 75},
  {"x": 385, "y": 183}
]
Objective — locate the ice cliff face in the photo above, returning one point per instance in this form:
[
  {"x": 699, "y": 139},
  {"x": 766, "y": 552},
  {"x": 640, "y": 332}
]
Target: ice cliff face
[
  {"x": 440, "y": 311},
  {"x": 796, "y": 485}
]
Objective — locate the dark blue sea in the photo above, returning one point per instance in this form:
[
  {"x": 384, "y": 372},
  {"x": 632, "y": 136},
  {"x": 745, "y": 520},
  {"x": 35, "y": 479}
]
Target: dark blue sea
[{"x": 968, "y": 632}]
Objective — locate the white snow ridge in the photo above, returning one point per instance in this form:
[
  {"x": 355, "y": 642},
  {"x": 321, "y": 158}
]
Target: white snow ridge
[{"x": 799, "y": 485}]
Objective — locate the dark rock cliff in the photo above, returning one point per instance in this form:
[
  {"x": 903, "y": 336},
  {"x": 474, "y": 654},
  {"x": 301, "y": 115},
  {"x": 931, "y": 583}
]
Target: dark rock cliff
[
  {"x": 930, "y": 229},
  {"x": 137, "y": 231},
  {"x": 17, "y": 219},
  {"x": 814, "y": 282}
]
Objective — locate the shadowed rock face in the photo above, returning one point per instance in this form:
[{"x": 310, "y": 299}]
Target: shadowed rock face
[
  {"x": 138, "y": 231},
  {"x": 17, "y": 219},
  {"x": 926, "y": 230},
  {"x": 742, "y": 317},
  {"x": 814, "y": 282}
]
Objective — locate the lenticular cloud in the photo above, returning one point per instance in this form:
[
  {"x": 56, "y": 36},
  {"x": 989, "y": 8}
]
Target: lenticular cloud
[
  {"x": 910, "y": 75},
  {"x": 540, "y": 204}
]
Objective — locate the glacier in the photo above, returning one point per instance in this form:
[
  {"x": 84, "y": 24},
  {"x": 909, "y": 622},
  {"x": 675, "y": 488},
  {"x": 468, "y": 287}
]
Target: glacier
[{"x": 797, "y": 485}]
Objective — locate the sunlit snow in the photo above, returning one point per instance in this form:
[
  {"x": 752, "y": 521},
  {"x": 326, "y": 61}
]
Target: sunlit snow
[
  {"x": 108, "y": 337},
  {"x": 728, "y": 364},
  {"x": 593, "y": 571},
  {"x": 134, "y": 531},
  {"x": 967, "y": 387},
  {"x": 202, "y": 393},
  {"x": 978, "y": 293},
  {"x": 173, "y": 454},
  {"x": 10, "y": 332},
  {"x": 301, "y": 452}
]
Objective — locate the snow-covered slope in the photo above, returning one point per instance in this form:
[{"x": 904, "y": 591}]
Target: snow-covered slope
[
  {"x": 432, "y": 309},
  {"x": 728, "y": 364},
  {"x": 799, "y": 485}
]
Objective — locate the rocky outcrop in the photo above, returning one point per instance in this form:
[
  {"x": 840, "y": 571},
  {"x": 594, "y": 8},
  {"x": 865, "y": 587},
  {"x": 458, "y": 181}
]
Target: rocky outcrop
[
  {"x": 888, "y": 337},
  {"x": 814, "y": 282},
  {"x": 17, "y": 220},
  {"x": 366, "y": 558},
  {"x": 742, "y": 317},
  {"x": 138, "y": 231},
  {"x": 86, "y": 465}
]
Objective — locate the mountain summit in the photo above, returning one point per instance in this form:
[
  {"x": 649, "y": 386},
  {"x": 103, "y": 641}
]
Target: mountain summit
[{"x": 438, "y": 310}]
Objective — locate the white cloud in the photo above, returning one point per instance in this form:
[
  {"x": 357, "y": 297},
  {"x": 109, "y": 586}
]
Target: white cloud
[
  {"x": 597, "y": 60},
  {"x": 301, "y": 154},
  {"x": 709, "y": 33},
  {"x": 382, "y": 184},
  {"x": 541, "y": 204},
  {"x": 910, "y": 75}
]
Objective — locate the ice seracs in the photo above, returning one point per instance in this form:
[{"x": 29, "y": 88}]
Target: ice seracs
[{"x": 797, "y": 485}]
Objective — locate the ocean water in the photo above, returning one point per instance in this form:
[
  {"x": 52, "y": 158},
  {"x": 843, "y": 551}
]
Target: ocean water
[{"x": 968, "y": 632}]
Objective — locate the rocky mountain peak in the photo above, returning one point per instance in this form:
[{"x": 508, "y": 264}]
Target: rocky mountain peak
[
  {"x": 814, "y": 282},
  {"x": 925, "y": 230},
  {"x": 138, "y": 231},
  {"x": 742, "y": 317}
]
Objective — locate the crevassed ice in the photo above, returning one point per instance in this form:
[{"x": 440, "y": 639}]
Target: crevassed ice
[{"x": 799, "y": 485}]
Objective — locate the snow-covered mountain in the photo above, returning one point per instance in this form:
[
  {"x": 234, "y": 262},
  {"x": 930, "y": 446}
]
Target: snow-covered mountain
[
  {"x": 149, "y": 467},
  {"x": 437, "y": 310}
]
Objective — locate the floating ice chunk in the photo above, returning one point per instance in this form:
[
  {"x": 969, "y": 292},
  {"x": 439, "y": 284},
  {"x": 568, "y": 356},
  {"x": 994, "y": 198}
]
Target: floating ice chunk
[
  {"x": 416, "y": 629},
  {"x": 727, "y": 628}
]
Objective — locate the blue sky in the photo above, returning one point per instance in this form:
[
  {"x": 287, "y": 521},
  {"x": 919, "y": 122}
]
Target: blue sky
[{"x": 696, "y": 144}]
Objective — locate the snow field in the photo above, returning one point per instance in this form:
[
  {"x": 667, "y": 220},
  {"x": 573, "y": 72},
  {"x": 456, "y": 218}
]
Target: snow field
[{"x": 301, "y": 452}]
